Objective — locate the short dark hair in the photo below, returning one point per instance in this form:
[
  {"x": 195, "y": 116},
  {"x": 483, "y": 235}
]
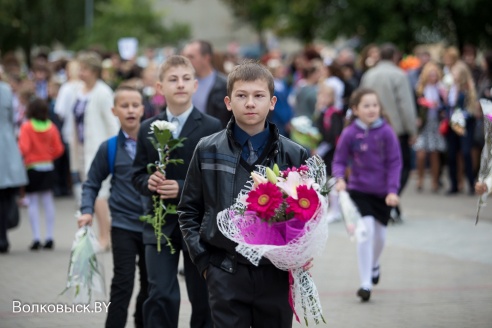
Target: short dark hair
[
  {"x": 205, "y": 48},
  {"x": 122, "y": 88},
  {"x": 250, "y": 70},
  {"x": 38, "y": 109},
  {"x": 356, "y": 98},
  {"x": 388, "y": 51}
]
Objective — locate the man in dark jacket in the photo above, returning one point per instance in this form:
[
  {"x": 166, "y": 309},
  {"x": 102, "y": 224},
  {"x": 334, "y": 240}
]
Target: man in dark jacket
[{"x": 212, "y": 86}]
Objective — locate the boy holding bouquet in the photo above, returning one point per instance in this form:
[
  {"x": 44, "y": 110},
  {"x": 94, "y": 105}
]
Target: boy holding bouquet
[
  {"x": 240, "y": 294},
  {"x": 125, "y": 205}
]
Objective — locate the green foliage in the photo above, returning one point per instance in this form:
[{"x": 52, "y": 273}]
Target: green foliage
[
  {"x": 25, "y": 23},
  {"x": 404, "y": 22},
  {"x": 116, "y": 19}
]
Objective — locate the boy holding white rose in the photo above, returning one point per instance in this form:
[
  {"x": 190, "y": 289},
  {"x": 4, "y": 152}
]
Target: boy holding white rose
[{"x": 177, "y": 83}]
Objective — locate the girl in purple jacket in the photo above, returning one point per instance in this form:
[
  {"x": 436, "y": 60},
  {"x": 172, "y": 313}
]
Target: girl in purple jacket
[{"x": 371, "y": 148}]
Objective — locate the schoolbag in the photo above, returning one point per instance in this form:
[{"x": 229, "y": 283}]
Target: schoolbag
[{"x": 112, "y": 146}]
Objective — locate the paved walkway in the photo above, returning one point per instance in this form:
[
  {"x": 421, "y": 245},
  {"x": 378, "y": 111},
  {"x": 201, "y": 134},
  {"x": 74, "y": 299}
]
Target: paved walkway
[{"x": 436, "y": 272}]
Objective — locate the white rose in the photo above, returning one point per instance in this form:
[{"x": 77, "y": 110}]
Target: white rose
[{"x": 163, "y": 125}]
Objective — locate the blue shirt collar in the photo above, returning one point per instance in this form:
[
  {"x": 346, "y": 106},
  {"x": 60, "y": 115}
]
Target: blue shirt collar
[{"x": 257, "y": 140}]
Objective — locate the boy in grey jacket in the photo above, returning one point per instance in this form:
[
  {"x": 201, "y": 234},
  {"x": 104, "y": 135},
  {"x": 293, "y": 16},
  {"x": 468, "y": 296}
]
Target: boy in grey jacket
[{"x": 126, "y": 206}]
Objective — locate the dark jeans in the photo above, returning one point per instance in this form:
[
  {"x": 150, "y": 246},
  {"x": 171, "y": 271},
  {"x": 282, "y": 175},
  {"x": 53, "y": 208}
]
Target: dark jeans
[
  {"x": 161, "y": 309},
  {"x": 127, "y": 246},
  {"x": 463, "y": 144},
  {"x": 254, "y": 296}
]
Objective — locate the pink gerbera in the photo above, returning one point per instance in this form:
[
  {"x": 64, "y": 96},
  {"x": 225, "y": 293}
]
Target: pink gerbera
[
  {"x": 264, "y": 200},
  {"x": 305, "y": 205}
]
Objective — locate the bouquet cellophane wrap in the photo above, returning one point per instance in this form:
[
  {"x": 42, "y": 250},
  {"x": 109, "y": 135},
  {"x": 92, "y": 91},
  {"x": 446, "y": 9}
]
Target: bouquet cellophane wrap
[
  {"x": 85, "y": 272},
  {"x": 352, "y": 218},
  {"x": 486, "y": 156},
  {"x": 288, "y": 245}
]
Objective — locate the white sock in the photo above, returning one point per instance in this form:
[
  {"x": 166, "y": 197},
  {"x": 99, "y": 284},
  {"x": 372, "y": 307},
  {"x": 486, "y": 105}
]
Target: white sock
[
  {"x": 365, "y": 252},
  {"x": 334, "y": 212},
  {"x": 379, "y": 242},
  {"x": 49, "y": 213},
  {"x": 33, "y": 211}
]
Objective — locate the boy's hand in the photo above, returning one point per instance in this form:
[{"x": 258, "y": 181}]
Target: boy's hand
[
  {"x": 155, "y": 180},
  {"x": 480, "y": 188},
  {"x": 341, "y": 185},
  {"x": 392, "y": 199},
  {"x": 84, "y": 219},
  {"x": 168, "y": 189}
]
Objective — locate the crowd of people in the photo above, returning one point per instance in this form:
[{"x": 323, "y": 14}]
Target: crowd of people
[{"x": 376, "y": 111}]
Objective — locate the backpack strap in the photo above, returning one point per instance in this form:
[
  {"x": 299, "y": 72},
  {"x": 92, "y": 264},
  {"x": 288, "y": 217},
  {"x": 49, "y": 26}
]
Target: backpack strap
[{"x": 112, "y": 146}]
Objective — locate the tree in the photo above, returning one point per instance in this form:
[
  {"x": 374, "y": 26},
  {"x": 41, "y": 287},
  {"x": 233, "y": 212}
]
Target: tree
[
  {"x": 409, "y": 22},
  {"x": 403, "y": 22},
  {"x": 115, "y": 19},
  {"x": 25, "y": 23}
]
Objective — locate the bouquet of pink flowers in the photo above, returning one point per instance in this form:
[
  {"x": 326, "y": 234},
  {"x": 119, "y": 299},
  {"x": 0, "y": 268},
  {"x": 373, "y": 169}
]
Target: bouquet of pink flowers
[{"x": 281, "y": 215}]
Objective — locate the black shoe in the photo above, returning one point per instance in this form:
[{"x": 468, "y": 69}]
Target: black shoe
[
  {"x": 395, "y": 216},
  {"x": 452, "y": 192},
  {"x": 364, "y": 294},
  {"x": 375, "y": 279},
  {"x": 49, "y": 244},
  {"x": 4, "y": 249},
  {"x": 36, "y": 245}
]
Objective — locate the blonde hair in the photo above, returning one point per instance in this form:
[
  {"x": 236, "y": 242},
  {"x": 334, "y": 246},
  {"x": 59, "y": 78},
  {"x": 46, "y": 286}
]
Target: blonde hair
[
  {"x": 465, "y": 83},
  {"x": 124, "y": 88},
  {"x": 91, "y": 60},
  {"x": 323, "y": 87},
  {"x": 424, "y": 76},
  {"x": 174, "y": 61}
]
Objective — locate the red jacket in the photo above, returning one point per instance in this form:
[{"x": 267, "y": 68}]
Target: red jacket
[{"x": 39, "y": 142}]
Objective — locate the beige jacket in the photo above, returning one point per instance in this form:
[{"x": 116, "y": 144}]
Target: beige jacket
[{"x": 393, "y": 88}]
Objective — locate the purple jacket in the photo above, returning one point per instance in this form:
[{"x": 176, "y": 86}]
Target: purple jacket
[{"x": 374, "y": 155}]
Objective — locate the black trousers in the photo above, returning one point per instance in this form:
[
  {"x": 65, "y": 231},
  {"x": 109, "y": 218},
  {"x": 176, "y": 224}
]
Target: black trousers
[
  {"x": 161, "y": 309},
  {"x": 7, "y": 200},
  {"x": 127, "y": 247},
  {"x": 406, "y": 156},
  {"x": 255, "y": 297}
]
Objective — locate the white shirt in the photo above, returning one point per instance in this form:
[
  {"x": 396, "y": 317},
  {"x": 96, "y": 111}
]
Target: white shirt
[{"x": 181, "y": 119}]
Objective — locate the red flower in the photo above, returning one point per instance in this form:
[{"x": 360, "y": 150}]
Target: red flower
[
  {"x": 305, "y": 205},
  {"x": 302, "y": 168},
  {"x": 264, "y": 200}
]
